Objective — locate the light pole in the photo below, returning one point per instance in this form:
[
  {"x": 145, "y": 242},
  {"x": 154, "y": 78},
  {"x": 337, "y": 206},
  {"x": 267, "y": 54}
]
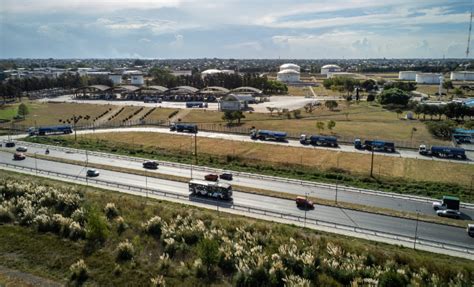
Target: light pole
[
  {"x": 36, "y": 164},
  {"x": 191, "y": 160},
  {"x": 146, "y": 184},
  {"x": 372, "y": 163},
  {"x": 336, "y": 190},
  {"x": 305, "y": 208},
  {"x": 416, "y": 228}
]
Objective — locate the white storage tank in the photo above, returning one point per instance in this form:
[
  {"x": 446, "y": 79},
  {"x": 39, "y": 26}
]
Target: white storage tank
[
  {"x": 116, "y": 79},
  {"x": 462, "y": 76},
  {"x": 327, "y": 69},
  {"x": 290, "y": 66},
  {"x": 428, "y": 78},
  {"x": 407, "y": 75},
  {"x": 288, "y": 76},
  {"x": 137, "y": 79}
]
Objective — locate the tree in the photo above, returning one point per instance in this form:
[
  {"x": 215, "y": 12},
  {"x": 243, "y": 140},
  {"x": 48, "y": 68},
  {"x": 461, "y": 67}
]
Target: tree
[
  {"x": 331, "y": 124},
  {"x": 370, "y": 97},
  {"x": 320, "y": 126},
  {"x": 96, "y": 226},
  {"x": 394, "y": 96},
  {"x": 22, "y": 110},
  {"x": 399, "y": 112},
  {"x": 271, "y": 110},
  {"x": 442, "y": 130},
  {"x": 458, "y": 92},
  {"x": 208, "y": 252},
  {"x": 297, "y": 114},
  {"x": 331, "y": 104},
  {"x": 448, "y": 84},
  {"x": 231, "y": 116},
  {"x": 368, "y": 85}
]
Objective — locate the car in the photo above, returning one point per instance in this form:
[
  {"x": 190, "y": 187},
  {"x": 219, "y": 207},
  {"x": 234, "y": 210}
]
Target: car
[
  {"x": 211, "y": 177},
  {"x": 21, "y": 149},
  {"x": 19, "y": 156},
  {"x": 92, "y": 173},
  {"x": 470, "y": 230},
  {"x": 449, "y": 213},
  {"x": 9, "y": 144},
  {"x": 302, "y": 202},
  {"x": 226, "y": 176},
  {"x": 150, "y": 165}
]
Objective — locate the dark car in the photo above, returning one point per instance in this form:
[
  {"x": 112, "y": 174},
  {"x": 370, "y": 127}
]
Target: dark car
[
  {"x": 150, "y": 165},
  {"x": 449, "y": 213},
  {"x": 92, "y": 173},
  {"x": 211, "y": 177},
  {"x": 21, "y": 149},
  {"x": 226, "y": 176},
  {"x": 9, "y": 144},
  {"x": 470, "y": 230},
  {"x": 19, "y": 156},
  {"x": 302, "y": 202}
]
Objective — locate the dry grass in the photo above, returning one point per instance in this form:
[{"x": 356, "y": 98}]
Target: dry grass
[
  {"x": 160, "y": 114},
  {"x": 299, "y": 91},
  {"x": 412, "y": 169}
]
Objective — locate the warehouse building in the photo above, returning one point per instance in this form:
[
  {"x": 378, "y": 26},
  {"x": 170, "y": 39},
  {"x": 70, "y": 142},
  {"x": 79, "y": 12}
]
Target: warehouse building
[
  {"x": 428, "y": 78},
  {"x": 407, "y": 75},
  {"x": 462, "y": 76}
]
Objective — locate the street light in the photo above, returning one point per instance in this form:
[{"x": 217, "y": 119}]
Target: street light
[
  {"x": 36, "y": 165},
  {"x": 305, "y": 208},
  {"x": 372, "y": 163},
  {"x": 336, "y": 190},
  {"x": 416, "y": 228}
]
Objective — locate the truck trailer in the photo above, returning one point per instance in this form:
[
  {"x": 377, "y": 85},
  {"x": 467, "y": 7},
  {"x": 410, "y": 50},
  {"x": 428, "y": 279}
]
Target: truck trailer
[
  {"x": 448, "y": 202},
  {"x": 63, "y": 129},
  {"x": 318, "y": 140},
  {"x": 268, "y": 135},
  {"x": 443, "y": 151},
  {"x": 375, "y": 145},
  {"x": 180, "y": 127}
]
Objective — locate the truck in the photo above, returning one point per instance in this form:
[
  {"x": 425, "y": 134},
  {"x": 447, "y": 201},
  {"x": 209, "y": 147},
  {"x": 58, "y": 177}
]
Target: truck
[
  {"x": 443, "y": 151},
  {"x": 447, "y": 202},
  {"x": 217, "y": 190},
  {"x": 196, "y": 105},
  {"x": 375, "y": 145},
  {"x": 64, "y": 129},
  {"x": 268, "y": 135},
  {"x": 182, "y": 127},
  {"x": 318, "y": 140}
]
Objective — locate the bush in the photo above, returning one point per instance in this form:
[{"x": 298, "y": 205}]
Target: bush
[
  {"x": 394, "y": 96},
  {"x": 125, "y": 251},
  {"x": 158, "y": 281},
  {"x": 6, "y": 215},
  {"x": 153, "y": 226},
  {"x": 96, "y": 227},
  {"x": 111, "y": 210},
  {"x": 441, "y": 130},
  {"x": 79, "y": 271},
  {"x": 121, "y": 225},
  {"x": 392, "y": 279},
  {"x": 370, "y": 97},
  {"x": 208, "y": 252},
  {"x": 76, "y": 231}
]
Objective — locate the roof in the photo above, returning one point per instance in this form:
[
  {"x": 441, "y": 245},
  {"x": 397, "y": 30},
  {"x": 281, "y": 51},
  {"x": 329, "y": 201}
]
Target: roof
[
  {"x": 247, "y": 90},
  {"x": 449, "y": 197},
  {"x": 186, "y": 89},
  {"x": 99, "y": 87},
  {"x": 288, "y": 71},
  {"x": 156, "y": 88},
  {"x": 211, "y": 71},
  {"x": 289, "y": 66},
  {"x": 241, "y": 98},
  {"x": 128, "y": 88},
  {"x": 214, "y": 90},
  {"x": 330, "y": 66}
]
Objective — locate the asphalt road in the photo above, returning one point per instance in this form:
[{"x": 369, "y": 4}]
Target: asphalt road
[
  {"x": 405, "y": 227},
  {"x": 380, "y": 201}
]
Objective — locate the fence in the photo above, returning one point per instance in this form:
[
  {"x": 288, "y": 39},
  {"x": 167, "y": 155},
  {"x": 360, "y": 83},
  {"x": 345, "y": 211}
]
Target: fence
[
  {"x": 254, "y": 210},
  {"x": 250, "y": 175}
]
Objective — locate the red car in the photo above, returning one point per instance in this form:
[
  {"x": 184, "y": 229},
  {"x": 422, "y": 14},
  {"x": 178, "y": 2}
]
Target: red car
[
  {"x": 19, "y": 156},
  {"x": 302, "y": 202},
  {"x": 211, "y": 177}
]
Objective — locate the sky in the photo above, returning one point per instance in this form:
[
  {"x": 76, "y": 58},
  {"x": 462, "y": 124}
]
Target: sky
[{"x": 255, "y": 29}]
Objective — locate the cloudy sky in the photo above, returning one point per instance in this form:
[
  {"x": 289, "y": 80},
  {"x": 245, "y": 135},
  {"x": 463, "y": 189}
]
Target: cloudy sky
[{"x": 234, "y": 28}]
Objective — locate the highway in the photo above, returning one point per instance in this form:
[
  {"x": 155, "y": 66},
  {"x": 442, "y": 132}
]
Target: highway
[
  {"x": 380, "y": 223},
  {"x": 380, "y": 200},
  {"x": 402, "y": 153}
]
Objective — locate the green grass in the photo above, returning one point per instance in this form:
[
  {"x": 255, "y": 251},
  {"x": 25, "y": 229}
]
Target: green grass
[
  {"x": 180, "y": 152},
  {"x": 8, "y": 112},
  {"x": 49, "y": 256}
]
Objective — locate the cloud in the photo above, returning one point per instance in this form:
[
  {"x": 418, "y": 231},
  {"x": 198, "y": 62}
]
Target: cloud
[{"x": 178, "y": 41}]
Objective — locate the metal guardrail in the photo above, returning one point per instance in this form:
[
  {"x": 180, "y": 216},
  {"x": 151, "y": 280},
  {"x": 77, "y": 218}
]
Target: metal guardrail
[
  {"x": 254, "y": 210},
  {"x": 253, "y": 176}
]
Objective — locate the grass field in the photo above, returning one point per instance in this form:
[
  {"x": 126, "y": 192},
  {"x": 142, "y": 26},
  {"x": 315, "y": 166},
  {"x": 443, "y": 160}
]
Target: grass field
[{"x": 323, "y": 259}]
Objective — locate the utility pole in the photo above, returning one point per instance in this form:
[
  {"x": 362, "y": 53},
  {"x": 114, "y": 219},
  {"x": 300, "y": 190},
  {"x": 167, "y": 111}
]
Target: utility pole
[
  {"x": 146, "y": 184},
  {"x": 336, "y": 189},
  {"x": 195, "y": 149},
  {"x": 372, "y": 163},
  {"x": 416, "y": 228},
  {"x": 305, "y": 208},
  {"x": 36, "y": 165}
]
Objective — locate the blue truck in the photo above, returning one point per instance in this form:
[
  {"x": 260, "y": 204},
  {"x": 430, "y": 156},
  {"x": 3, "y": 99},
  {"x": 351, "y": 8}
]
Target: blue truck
[
  {"x": 182, "y": 127},
  {"x": 196, "y": 105},
  {"x": 443, "y": 151},
  {"x": 63, "y": 129},
  {"x": 268, "y": 135},
  {"x": 318, "y": 140},
  {"x": 375, "y": 145}
]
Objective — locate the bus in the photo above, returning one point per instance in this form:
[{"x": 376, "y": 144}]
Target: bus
[{"x": 218, "y": 190}]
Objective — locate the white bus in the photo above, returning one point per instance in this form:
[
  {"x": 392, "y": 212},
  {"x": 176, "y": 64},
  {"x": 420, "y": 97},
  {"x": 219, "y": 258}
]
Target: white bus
[{"x": 217, "y": 190}]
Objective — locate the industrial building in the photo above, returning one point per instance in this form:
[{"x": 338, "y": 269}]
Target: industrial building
[
  {"x": 116, "y": 79},
  {"x": 290, "y": 66},
  {"x": 462, "y": 76},
  {"x": 215, "y": 71},
  {"x": 137, "y": 79},
  {"x": 288, "y": 76},
  {"x": 407, "y": 75},
  {"x": 326, "y": 69},
  {"x": 428, "y": 78}
]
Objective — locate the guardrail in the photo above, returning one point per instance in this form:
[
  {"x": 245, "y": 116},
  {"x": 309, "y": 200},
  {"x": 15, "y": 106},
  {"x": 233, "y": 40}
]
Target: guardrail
[
  {"x": 251, "y": 175},
  {"x": 253, "y": 210}
]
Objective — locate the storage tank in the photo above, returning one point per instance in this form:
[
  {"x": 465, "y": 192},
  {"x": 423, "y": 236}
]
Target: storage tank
[
  {"x": 288, "y": 76},
  {"x": 137, "y": 79},
  {"x": 326, "y": 69},
  {"x": 407, "y": 75},
  {"x": 290, "y": 66},
  {"x": 462, "y": 76},
  {"x": 428, "y": 78}
]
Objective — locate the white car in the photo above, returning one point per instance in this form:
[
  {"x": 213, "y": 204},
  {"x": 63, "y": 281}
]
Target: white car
[
  {"x": 449, "y": 213},
  {"x": 437, "y": 205}
]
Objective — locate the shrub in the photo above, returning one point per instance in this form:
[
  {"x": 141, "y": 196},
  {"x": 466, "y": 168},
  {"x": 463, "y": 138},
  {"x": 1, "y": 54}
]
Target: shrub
[
  {"x": 79, "y": 215},
  {"x": 76, "y": 231},
  {"x": 96, "y": 226},
  {"x": 153, "y": 226},
  {"x": 111, "y": 211},
  {"x": 392, "y": 279},
  {"x": 394, "y": 96},
  {"x": 370, "y": 97},
  {"x": 442, "y": 130},
  {"x": 121, "y": 225},
  {"x": 79, "y": 271},
  {"x": 125, "y": 251},
  {"x": 208, "y": 252},
  {"x": 6, "y": 215},
  {"x": 158, "y": 281}
]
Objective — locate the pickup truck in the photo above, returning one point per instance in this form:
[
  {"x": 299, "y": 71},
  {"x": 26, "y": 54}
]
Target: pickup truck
[{"x": 302, "y": 202}]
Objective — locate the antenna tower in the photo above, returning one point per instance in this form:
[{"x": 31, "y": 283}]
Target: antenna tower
[{"x": 469, "y": 37}]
